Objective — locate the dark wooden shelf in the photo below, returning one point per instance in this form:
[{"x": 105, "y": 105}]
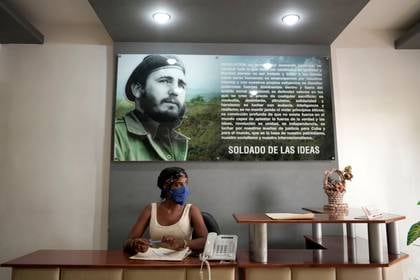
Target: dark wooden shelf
[
  {"x": 355, "y": 214},
  {"x": 352, "y": 217}
]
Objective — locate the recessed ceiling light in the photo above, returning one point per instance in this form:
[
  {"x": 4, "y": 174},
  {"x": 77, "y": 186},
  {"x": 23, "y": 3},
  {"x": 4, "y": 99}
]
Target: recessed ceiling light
[
  {"x": 267, "y": 66},
  {"x": 291, "y": 19},
  {"x": 161, "y": 18}
]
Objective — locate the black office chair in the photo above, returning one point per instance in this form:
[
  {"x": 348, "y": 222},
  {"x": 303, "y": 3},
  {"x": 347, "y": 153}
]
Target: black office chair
[{"x": 210, "y": 222}]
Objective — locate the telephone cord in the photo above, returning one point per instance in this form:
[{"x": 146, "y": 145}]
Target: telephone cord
[{"x": 204, "y": 261}]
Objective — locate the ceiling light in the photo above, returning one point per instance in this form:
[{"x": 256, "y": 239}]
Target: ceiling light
[
  {"x": 253, "y": 92},
  {"x": 291, "y": 19},
  {"x": 161, "y": 18},
  {"x": 267, "y": 66}
]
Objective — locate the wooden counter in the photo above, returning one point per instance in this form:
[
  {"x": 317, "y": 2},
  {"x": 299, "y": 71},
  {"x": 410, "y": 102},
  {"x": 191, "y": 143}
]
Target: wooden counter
[
  {"x": 109, "y": 265},
  {"x": 331, "y": 251},
  {"x": 98, "y": 259},
  {"x": 332, "y": 258},
  {"x": 351, "y": 217},
  {"x": 258, "y": 230}
]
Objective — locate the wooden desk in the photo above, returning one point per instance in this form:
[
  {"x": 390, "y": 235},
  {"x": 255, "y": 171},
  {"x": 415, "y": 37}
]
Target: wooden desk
[
  {"x": 112, "y": 265},
  {"x": 293, "y": 264},
  {"x": 354, "y": 216},
  {"x": 258, "y": 230},
  {"x": 335, "y": 258}
]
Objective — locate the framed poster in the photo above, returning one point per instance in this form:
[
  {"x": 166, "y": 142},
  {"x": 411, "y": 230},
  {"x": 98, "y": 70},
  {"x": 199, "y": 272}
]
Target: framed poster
[{"x": 222, "y": 108}]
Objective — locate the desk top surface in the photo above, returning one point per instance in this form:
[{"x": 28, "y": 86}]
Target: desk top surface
[
  {"x": 334, "y": 255},
  {"x": 351, "y": 216},
  {"x": 98, "y": 258}
]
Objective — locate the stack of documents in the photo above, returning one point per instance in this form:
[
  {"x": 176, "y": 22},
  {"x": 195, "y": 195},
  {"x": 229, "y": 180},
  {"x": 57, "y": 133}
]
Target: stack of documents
[
  {"x": 162, "y": 254},
  {"x": 290, "y": 216}
]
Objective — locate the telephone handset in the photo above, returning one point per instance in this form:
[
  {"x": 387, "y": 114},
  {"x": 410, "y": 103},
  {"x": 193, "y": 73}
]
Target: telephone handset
[{"x": 220, "y": 247}]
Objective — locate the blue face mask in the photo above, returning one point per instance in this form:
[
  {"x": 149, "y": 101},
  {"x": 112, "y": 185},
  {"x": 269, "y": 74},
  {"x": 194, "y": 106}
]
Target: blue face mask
[{"x": 180, "y": 194}]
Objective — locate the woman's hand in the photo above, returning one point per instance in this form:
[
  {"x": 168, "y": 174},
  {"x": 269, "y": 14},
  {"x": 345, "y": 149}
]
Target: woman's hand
[
  {"x": 173, "y": 243},
  {"x": 140, "y": 245}
]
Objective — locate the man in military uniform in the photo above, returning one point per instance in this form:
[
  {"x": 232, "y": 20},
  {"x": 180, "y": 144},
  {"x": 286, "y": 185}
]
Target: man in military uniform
[{"x": 157, "y": 87}]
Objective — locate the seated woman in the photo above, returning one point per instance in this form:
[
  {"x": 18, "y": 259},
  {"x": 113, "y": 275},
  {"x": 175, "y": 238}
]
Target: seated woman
[{"x": 171, "y": 220}]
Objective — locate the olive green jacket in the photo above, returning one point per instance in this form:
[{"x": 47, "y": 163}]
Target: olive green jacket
[{"x": 132, "y": 142}]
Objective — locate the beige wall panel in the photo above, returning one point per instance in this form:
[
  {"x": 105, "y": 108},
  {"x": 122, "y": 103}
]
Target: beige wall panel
[
  {"x": 36, "y": 274},
  {"x": 91, "y": 274},
  {"x": 268, "y": 274},
  {"x": 394, "y": 272},
  {"x": 313, "y": 273},
  {"x": 374, "y": 273},
  {"x": 155, "y": 274},
  {"x": 221, "y": 273}
]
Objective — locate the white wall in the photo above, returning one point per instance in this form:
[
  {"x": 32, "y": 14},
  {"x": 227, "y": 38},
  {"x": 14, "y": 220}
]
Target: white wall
[
  {"x": 3, "y": 109},
  {"x": 55, "y": 116},
  {"x": 377, "y": 105}
]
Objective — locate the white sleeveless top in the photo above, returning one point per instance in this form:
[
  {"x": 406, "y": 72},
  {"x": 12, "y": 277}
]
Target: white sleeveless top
[{"x": 181, "y": 229}]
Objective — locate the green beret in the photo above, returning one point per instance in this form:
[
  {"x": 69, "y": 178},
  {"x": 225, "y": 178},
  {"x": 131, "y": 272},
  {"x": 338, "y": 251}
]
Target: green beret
[{"x": 150, "y": 64}]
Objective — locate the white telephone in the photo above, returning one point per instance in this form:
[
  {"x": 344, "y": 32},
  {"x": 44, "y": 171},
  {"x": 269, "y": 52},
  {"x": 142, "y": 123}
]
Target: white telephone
[{"x": 220, "y": 247}]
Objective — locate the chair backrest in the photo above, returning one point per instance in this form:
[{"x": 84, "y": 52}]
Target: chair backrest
[{"x": 210, "y": 222}]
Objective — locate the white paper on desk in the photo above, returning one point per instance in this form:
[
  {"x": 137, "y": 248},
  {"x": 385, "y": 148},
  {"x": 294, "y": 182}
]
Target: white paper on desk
[
  {"x": 372, "y": 212},
  {"x": 290, "y": 216},
  {"x": 162, "y": 254}
]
